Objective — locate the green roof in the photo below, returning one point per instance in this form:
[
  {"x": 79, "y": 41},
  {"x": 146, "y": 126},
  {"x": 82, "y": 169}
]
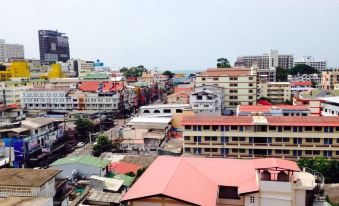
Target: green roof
[
  {"x": 86, "y": 160},
  {"x": 96, "y": 76},
  {"x": 128, "y": 180},
  {"x": 141, "y": 84}
]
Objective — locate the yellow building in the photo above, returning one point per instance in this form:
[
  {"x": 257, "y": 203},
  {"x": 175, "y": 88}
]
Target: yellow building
[
  {"x": 14, "y": 70},
  {"x": 239, "y": 84},
  {"x": 55, "y": 72},
  {"x": 277, "y": 92},
  {"x": 259, "y": 136}
]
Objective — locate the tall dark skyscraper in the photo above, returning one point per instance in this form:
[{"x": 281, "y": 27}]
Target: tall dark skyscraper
[{"x": 53, "y": 46}]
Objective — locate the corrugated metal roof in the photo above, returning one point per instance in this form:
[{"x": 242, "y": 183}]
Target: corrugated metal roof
[{"x": 86, "y": 160}]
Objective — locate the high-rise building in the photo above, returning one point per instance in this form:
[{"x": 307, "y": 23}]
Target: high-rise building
[
  {"x": 53, "y": 46},
  {"x": 320, "y": 65},
  {"x": 9, "y": 52},
  {"x": 329, "y": 79},
  {"x": 240, "y": 84},
  {"x": 266, "y": 61}
]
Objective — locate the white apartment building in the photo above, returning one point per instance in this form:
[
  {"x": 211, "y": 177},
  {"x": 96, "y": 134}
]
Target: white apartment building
[
  {"x": 305, "y": 77},
  {"x": 10, "y": 51},
  {"x": 63, "y": 99},
  {"x": 277, "y": 92},
  {"x": 266, "y": 61},
  {"x": 320, "y": 65},
  {"x": 11, "y": 91},
  {"x": 207, "y": 100},
  {"x": 239, "y": 84},
  {"x": 330, "y": 106},
  {"x": 163, "y": 109}
]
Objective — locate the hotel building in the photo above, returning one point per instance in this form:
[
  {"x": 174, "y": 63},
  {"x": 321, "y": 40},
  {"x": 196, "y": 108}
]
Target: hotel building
[
  {"x": 262, "y": 136},
  {"x": 277, "y": 92},
  {"x": 239, "y": 84},
  {"x": 266, "y": 61}
]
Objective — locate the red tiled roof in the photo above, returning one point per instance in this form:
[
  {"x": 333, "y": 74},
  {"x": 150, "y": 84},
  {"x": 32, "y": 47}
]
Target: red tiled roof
[
  {"x": 267, "y": 108},
  {"x": 182, "y": 89},
  {"x": 196, "y": 180},
  {"x": 305, "y": 83},
  {"x": 216, "y": 120},
  {"x": 303, "y": 121},
  {"x": 92, "y": 86},
  {"x": 271, "y": 120},
  {"x": 179, "y": 94},
  {"x": 132, "y": 79},
  {"x": 123, "y": 167},
  {"x": 227, "y": 72}
]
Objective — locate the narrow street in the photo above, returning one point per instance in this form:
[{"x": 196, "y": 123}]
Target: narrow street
[{"x": 111, "y": 134}]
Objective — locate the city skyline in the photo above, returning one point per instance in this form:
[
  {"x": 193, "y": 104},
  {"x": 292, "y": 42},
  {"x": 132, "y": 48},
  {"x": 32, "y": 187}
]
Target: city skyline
[{"x": 168, "y": 35}]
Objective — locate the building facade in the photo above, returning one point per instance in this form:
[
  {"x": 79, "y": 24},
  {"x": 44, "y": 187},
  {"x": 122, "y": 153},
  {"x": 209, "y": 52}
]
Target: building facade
[
  {"x": 266, "y": 61},
  {"x": 329, "y": 79},
  {"x": 10, "y": 52},
  {"x": 11, "y": 91},
  {"x": 63, "y": 99},
  {"x": 239, "y": 85},
  {"x": 320, "y": 65},
  {"x": 53, "y": 46},
  {"x": 277, "y": 92},
  {"x": 260, "y": 136},
  {"x": 330, "y": 106},
  {"x": 207, "y": 100}
]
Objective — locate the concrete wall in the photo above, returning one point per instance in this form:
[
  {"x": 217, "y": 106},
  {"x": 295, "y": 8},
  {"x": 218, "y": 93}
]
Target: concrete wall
[{"x": 81, "y": 168}]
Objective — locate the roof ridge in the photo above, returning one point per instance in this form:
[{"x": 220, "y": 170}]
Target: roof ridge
[{"x": 172, "y": 175}]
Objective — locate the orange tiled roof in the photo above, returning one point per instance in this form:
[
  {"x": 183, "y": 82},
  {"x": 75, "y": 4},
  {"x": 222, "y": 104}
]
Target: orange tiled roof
[
  {"x": 227, "y": 72},
  {"x": 305, "y": 83},
  {"x": 267, "y": 108},
  {"x": 217, "y": 120},
  {"x": 92, "y": 86},
  {"x": 303, "y": 121},
  {"x": 123, "y": 167}
]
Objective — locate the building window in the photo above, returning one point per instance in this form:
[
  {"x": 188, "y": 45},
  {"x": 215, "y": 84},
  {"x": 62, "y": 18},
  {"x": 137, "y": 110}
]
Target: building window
[
  {"x": 187, "y": 149},
  {"x": 233, "y": 85},
  {"x": 167, "y": 110},
  {"x": 187, "y": 138},
  {"x": 252, "y": 199},
  {"x": 215, "y": 78},
  {"x": 203, "y": 79},
  {"x": 233, "y": 78}
]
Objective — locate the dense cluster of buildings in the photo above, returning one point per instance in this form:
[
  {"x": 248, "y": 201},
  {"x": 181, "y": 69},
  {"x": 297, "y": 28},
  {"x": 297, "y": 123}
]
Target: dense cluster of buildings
[{"x": 253, "y": 126}]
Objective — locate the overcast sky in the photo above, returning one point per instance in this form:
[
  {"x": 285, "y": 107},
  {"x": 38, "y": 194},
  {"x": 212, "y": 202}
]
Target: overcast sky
[{"x": 176, "y": 34}]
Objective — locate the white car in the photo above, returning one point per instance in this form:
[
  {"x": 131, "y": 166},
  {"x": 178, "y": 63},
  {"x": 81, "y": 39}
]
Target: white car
[{"x": 80, "y": 144}]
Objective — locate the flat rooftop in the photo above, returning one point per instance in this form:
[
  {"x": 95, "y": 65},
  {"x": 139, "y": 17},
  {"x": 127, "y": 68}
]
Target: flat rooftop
[
  {"x": 26, "y": 177},
  {"x": 158, "y": 106}
]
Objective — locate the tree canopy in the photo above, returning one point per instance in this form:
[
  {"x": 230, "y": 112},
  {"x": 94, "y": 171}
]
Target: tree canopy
[
  {"x": 281, "y": 74},
  {"x": 302, "y": 69},
  {"x": 83, "y": 127},
  {"x": 223, "y": 63},
  {"x": 169, "y": 74},
  {"x": 103, "y": 145},
  {"x": 133, "y": 71},
  {"x": 328, "y": 168}
]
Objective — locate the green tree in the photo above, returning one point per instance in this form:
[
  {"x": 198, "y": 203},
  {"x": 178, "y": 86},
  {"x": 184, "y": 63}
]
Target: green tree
[
  {"x": 281, "y": 74},
  {"x": 302, "y": 69},
  {"x": 141, "y": 171},
  {"x": 103, "y": 144},
  {"x": 133, "y": 71},
  {"x": 169, "y": 74},
  {"x": 131, "y": 174},
  {"x": 223, "y": 63},
  {"x": 83, "y": 127},
  {"x": 328, "y": 168}
]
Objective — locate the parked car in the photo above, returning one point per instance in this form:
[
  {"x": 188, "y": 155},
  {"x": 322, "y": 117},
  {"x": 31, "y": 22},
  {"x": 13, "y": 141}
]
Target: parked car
[{"x": 80, "y": 144}]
